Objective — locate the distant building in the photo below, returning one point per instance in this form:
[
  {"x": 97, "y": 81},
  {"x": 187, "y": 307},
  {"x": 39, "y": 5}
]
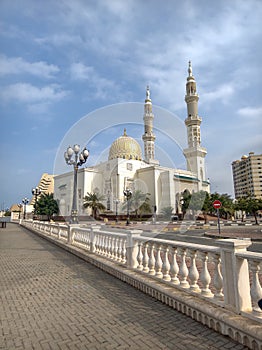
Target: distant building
[
  {"x": 247, "y": 176},
  {"x": 46, "y": 185}
]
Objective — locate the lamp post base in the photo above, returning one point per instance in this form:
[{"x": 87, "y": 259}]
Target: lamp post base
[{"x": 74, "y": 217}]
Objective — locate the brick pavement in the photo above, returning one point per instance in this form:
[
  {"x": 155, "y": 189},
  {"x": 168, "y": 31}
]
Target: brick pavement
[{"x": 51, "y": 299}]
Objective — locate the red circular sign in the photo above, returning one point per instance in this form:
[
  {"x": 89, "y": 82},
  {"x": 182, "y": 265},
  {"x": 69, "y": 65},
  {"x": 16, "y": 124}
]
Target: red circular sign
[{"x": 217, "y": 204}]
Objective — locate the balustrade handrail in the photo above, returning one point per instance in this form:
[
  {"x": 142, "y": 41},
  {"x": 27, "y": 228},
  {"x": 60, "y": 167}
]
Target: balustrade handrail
[
  {"x": 250, "y": 255},
  {"x": 191, "y": 246}
]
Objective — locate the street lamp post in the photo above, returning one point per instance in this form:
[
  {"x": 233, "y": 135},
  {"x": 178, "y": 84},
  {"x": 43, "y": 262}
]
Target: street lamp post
[
  {"x": 117, "y": 202},
  {"x": 20, "y": 207},
  {"x": 36, "y": 192},
  {"x": 74, "y": 157},
  {"x": 25, "y": 201},
  {"x": 128, "y": 195}
]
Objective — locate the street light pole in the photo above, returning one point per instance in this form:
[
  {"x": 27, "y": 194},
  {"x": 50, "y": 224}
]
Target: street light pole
[
  {"x": 20, "y": 207},
  {"x": 117, "y": 202},
  {"x": 36, "y": 192},
  {"x": 25, "y": 201},
  {"x": 128, "y": 195},
  {"x": 73, "y": 157}
]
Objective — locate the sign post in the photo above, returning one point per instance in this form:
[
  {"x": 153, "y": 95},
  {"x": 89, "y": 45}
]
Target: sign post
[{"x": 217, "y": 205}]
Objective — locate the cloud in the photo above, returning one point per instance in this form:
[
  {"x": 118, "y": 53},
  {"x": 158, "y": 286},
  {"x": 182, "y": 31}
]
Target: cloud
[
  {"x": 102, "y": 87},
  {"x": 250, "y": 112},
  {"x": 80, "y": 71},
  {"x": 222, "y": 93},
  {"x": 17, "y": 65},
  {"x": 27, "y": 93}
]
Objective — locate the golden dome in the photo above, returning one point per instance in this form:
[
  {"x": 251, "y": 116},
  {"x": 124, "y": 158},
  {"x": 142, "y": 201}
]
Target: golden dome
[{"x": 125, "y": 147}]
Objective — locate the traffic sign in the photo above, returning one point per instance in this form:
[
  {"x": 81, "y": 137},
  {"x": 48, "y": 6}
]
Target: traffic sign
[{"x": 217, "y": 204}]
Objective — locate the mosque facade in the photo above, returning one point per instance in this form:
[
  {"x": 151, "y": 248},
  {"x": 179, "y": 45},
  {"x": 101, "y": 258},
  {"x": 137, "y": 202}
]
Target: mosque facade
[{"x": 128, "y": 167}]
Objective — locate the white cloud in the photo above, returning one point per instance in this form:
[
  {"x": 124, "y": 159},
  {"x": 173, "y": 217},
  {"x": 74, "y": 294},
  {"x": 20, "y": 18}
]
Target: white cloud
[
  {"x": 17, "y": 65},
  {"x": 222, "y": 93},
  {"x": 250, "y": 112},
  {"x": 80, "y": 71},
  {"x": 102, "y": 87},
  {"x": 27, "y": 93}
]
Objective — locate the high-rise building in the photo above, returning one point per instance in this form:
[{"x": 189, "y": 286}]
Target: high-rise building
[
  {"x": 247, "y": 176},
  {"x": 45, "y": 185}
]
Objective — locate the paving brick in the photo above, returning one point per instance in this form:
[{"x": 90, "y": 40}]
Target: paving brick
[{"x": 51, "y": 299}]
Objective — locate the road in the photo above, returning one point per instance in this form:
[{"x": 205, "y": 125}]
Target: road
[{"x": 203, "y": 236}]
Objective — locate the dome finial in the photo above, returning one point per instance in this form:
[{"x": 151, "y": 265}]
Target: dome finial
[
  {"x": 124, "y": 132},
  {"x": 189, "y": 69}
]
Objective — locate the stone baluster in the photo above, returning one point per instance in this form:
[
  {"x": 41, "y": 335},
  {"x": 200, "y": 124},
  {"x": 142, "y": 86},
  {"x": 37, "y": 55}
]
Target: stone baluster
[
  {"x": 174, "y": 269},
  {"x": 108, "y": 246},
  {"x": 193, "y": 273},
  {"x": 183, "y": 270},
  {"x": 205, "y": 276},
  {"x": 103, "y": 244},
  {"x": 218, "y": 279},
  {"x": 256, "y": 290},
  {"x": 132, "y": 248},
  {"x": 145, "y": 258},
  {"x": 123, "y": 251},
  {"x": 140, "y": 256},
  {"x": 159, "y": 262},
  {"x": 119, "y": 248},
  {"x": 116, "y": 242},
  {"x": 166, "y": 265},
  {"x": 112, "y": 240},
  {"x": 152, "y": 260}
]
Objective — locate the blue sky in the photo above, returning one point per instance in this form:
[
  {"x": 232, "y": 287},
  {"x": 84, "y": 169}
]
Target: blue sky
[{"x": 64, "y": 62}]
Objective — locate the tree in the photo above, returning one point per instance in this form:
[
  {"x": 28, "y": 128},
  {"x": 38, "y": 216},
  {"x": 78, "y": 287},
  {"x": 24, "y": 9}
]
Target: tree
[
  {"x": 94, "y": 201},
  {"x": 197, "y": 201},
  {"x": 46, "y": 205},
  {"x": 167, "y": 212},
  {"x": 227, "y": 204},
  {"x": 253, "y": 205},
  {"x": 200, "y": 201},
  {"x": 186, "y": 197},
  {"x": 241, "y": 204},
  {"x": 139, "y": 203},
  {"x": 250, "y": 205}
]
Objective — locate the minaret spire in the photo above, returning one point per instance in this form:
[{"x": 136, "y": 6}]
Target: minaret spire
[
  {"x": 195, "y": 153},
  {"x": 149, "y": 137}
]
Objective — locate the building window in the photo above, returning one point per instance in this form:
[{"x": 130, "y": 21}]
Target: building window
[{"x": 129, "y": 166}]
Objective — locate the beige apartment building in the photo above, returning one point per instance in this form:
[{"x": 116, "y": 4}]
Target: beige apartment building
[
  {"x": 247, "y": 176},
  {"x": 45, "y": 185}
]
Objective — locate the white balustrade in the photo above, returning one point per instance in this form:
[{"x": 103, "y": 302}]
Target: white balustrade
[
  {"x": 183, "y": 270},
  {"x": 256, "y": 290},
  {"x": 159, "y": 262},
  {"x": 152, "y": 260},
  {"x": 227, "y": 274},
  {"x": 174, "y": 268},
  {"x": 205, "y": 277},
  {"x": 193, "y": 273}
]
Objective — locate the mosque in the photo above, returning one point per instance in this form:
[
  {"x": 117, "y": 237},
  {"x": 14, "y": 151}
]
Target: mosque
[{"x": 128, "y": 168}]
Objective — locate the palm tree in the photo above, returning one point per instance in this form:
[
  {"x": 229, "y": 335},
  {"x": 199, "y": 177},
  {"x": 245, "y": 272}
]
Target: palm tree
[
  {"x": 94, "y": 201},
  {"x": 167, "y": 212},
  {"x": 139, "y": 202}
]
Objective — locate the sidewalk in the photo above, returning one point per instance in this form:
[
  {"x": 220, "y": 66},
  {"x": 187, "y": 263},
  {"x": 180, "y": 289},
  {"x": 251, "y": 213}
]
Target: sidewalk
[{"x": 51, "y": 299}]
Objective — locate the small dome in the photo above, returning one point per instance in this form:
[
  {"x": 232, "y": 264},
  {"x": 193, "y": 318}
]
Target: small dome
[{"x": 125, "y": 147}]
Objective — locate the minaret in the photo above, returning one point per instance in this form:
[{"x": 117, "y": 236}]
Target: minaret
[
  {"x": 149, "y": 137},
  {"x": 195, "y": 154}
]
